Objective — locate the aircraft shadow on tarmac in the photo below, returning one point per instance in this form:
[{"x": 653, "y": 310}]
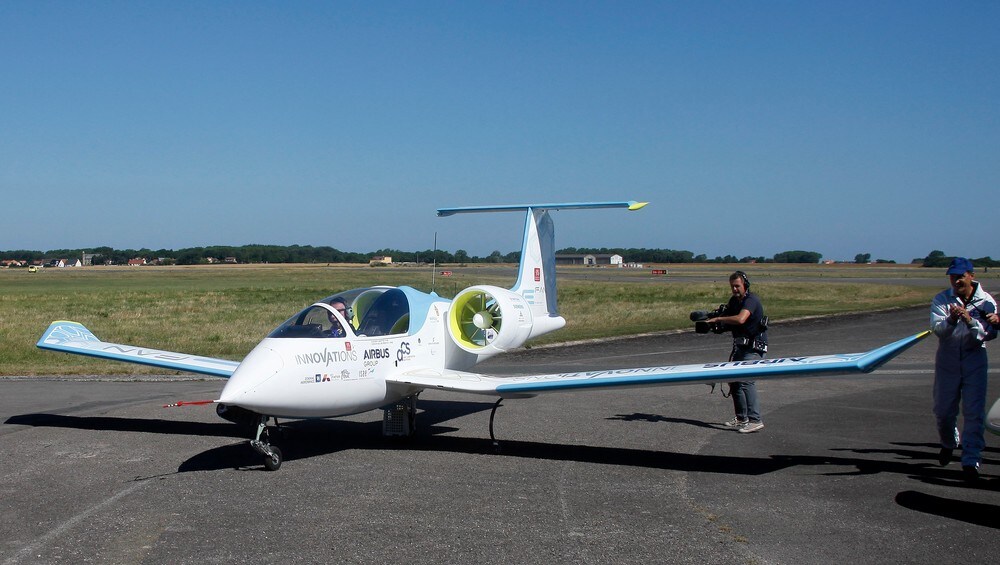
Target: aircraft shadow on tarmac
[
  {"x": 304, "y": 439},
  {"x": 115, "y": 424}
]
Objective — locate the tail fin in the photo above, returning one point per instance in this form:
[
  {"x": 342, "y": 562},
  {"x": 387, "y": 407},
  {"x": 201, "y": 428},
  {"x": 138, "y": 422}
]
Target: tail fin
[{"x": 536, "y": 280}]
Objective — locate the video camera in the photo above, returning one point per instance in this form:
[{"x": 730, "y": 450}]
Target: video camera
[{"x": 703, "y": 320}]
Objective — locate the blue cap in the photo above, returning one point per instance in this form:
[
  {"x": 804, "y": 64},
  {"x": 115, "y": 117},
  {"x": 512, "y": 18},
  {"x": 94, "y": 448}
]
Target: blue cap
[{"x": 960, "y": 266}]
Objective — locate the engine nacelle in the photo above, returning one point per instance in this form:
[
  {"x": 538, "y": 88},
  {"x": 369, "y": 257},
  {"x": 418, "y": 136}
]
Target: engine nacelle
[{"x": 487, "y": 319}]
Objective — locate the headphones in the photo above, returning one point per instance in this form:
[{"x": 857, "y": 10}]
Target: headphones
[{"x": 743, "y": 277}]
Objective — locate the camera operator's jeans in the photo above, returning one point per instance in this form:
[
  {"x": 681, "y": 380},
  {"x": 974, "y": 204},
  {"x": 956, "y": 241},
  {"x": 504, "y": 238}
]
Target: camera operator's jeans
[{"x": 744, "y": 393}]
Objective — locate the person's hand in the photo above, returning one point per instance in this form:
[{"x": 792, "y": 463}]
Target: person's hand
[
  {"x": 993, "y": 318},
  {"x": 955, "y": 312}
]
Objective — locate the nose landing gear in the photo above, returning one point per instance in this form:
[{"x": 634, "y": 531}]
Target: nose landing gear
[{"x": 262, "y": 444}]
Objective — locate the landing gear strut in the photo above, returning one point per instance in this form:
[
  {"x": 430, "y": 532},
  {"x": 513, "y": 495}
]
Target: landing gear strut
[
  {"x": 496, "y": 444},
  {"x": 262, "y": 444}
]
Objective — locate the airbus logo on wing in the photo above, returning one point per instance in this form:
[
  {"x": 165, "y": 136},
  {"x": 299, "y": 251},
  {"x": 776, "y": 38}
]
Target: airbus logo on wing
[{"x": 755, "y": 362}]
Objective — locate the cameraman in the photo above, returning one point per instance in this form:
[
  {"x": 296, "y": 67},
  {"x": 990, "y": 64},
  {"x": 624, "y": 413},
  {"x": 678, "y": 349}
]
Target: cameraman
[{"x": 744, "y": 316}]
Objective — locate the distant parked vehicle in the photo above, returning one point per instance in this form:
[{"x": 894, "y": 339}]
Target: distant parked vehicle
[{"x": 32, "y": 269}]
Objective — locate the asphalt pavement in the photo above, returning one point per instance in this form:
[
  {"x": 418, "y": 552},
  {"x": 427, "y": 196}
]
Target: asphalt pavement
[{"x": 844, "y": 471}]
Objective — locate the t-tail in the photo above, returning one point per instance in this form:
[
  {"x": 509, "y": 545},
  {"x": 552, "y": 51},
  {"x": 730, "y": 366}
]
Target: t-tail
[{"x": 488, "y": 320}]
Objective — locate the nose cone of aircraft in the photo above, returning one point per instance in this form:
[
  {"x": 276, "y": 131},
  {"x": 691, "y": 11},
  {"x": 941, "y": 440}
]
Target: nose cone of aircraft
[{"x": 258, "y": 367}]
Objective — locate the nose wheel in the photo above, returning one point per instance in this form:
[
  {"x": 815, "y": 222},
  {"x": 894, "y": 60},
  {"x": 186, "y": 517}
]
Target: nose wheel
[{"x": 262, "y": 444}]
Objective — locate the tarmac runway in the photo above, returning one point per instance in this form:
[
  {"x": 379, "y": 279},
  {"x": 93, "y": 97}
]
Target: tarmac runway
[{"x": 844, "y": 471}]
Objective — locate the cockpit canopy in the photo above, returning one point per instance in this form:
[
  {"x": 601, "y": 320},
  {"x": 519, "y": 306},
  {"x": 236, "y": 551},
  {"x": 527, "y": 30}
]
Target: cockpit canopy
[{"x": 372, "y": 311}]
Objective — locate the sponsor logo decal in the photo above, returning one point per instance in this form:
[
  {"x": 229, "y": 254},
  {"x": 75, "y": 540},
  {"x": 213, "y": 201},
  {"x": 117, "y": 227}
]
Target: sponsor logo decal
[
  {"x": 344, "y": 375},
  {"x": 325, "y": 357},
  {"x": 755, "y": 362},
  {"x": 381, "y": 353},
  {"x": 403, "y": 353}
]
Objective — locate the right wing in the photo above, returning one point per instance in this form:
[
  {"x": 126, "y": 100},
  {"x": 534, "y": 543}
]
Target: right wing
[
  {"x": 531, "y": 385},
  {"x": 73, "y": 337}
]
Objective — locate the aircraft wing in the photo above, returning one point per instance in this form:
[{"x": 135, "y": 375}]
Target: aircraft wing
[
  {"x": 764, "y": 369},
  {"x": 73, "y": 337}
]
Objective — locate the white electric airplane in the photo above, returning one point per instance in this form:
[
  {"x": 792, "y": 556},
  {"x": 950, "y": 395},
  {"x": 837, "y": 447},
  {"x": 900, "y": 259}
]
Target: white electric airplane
[{"x": 395, "y": 342}]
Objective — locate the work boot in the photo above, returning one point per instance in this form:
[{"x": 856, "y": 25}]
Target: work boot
[{"x": 970, "y": 472}]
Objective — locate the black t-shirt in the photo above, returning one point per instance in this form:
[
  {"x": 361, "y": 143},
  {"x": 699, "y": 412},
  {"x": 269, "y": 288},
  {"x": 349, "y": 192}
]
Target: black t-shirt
[{"x": 751, "y": 328}]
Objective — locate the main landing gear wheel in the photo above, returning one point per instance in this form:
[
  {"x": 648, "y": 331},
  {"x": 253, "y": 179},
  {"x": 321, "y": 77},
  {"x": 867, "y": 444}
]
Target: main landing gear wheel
[
  {"x": 262, "y": 444},
  {"x": 273, "y": 463}
]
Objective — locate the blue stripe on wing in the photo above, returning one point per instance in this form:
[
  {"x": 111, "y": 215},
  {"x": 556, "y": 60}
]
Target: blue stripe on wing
[
  {"x": 73, "y": 337},
  {"x": 714, "y": 372}
]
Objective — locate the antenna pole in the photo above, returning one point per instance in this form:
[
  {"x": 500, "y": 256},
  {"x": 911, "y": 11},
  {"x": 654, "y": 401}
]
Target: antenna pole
[{"x": 435, "y": 261}]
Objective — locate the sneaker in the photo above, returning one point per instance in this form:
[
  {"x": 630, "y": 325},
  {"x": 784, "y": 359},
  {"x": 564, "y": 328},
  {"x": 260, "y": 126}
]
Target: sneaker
[
  {"x": 735, "y": 423},
  {"x": 970, "y": 472},
  {"x": 751, "y": 427},
  {"x": 944, "y": 456}
]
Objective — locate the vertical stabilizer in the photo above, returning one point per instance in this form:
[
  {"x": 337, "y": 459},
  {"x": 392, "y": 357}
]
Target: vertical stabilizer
[
  {"x": 536, "y": 277},
  {"x": 536, "y": 280}
]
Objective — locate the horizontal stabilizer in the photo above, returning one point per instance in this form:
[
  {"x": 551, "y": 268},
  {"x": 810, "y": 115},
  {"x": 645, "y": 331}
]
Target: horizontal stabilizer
[
  {"x": 73, "y": 337},
  {"x": 761, "y": 369},
  {"x": 630, "y": 204}
]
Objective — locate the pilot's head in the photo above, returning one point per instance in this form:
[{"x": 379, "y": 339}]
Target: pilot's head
[{"x": 340, "y": 306}]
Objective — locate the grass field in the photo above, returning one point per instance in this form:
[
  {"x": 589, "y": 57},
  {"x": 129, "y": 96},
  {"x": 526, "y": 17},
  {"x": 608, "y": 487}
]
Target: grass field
[{"x": 224, "y": 310}]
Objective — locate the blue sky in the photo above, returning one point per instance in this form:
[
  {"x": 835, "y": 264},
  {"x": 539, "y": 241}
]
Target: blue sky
[{"x": 751, "y": 127}]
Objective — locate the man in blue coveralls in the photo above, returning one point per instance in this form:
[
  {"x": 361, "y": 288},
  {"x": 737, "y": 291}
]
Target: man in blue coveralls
[{"x": 961, "y": 319}]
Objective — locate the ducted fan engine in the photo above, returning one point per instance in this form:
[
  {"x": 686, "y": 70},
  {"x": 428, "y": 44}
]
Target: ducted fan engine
[{"x": 488, "y": 319}]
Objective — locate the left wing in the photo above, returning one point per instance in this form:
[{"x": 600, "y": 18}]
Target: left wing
[
  {"x": 531, "y": 385},
  {"x": 73, "y": 337}
]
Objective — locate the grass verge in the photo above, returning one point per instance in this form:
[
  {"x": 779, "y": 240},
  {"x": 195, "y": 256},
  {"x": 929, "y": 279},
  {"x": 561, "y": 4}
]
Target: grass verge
[{"x": 223, "y": 311}]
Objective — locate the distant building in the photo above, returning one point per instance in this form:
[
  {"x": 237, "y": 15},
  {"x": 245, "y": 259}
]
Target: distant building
[
  {"x": 230, "y": 260},
  {"x": 380, "y": 260},
  {"x": 590, "y": 259},
  {"x": 136, "y": 262},
  {"x": 60, "y": 263}
]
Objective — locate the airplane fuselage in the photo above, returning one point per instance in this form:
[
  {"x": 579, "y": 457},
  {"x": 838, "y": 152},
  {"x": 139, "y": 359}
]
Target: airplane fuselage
[{"x": 320, "y": 377}]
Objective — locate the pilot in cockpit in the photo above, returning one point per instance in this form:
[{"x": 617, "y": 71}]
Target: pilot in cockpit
[{"x": 336, "y": 330}]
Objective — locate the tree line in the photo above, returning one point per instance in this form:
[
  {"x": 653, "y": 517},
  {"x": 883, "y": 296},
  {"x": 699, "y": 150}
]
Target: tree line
[
  {"x": 256, "y": 253},
  {"x": 938, "y": 259}
]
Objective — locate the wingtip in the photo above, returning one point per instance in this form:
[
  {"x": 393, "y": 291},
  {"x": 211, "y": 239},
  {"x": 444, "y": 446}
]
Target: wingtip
[
  {"x": 61, "y": 331},
  {"x": 882, "y": 355},
  {"x": 633, "y": 205}
]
